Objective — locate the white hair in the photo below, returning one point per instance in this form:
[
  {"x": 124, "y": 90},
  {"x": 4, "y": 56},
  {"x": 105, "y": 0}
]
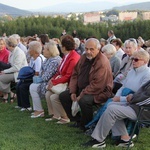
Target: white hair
[
  {"x": 109, "y": 49},
  {"x": 36, "y": 46},
  {"x": 16, "y": 36},
  {"x": 131, "y": 41},
  {"x": 77, "y": 41},
  {"x": 96, "y": 41}
]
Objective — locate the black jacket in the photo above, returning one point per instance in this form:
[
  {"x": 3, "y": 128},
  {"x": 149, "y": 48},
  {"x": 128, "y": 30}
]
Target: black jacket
[{"x": 140, "y": 98}]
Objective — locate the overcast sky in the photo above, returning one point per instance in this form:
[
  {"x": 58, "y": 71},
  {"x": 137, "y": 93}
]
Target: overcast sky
[{"x": 35, "y": 4}]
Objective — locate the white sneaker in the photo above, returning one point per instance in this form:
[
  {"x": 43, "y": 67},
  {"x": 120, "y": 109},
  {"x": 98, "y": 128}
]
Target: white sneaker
[
  {"x": 17, "y": 107},
  {"x": 134, "y": 136},
  {"x": 26, "y": 109}
]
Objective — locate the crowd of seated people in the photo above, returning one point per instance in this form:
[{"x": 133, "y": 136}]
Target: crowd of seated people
[
  {"x": 93, "y": 76},
  {"x": 118, "y": 108}
]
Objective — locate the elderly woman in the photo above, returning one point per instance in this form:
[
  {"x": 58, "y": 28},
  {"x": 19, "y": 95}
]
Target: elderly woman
[
  {"x": 130, "y": 46},
  {"x": 22, "y": 89},
  {"x": 48, "y": 69},
  {"x": 63, "y": 75},
  {"x": 78, "y": 49},
  {"x": 109, "y": 51},
  {"x": 119, "y": 109},
  {"x": 17, "y": 61},
  {"x": 4, "y": 53}
]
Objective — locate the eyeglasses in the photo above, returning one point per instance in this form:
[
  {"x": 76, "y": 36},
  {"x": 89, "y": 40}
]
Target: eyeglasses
[{"x": 135, "y": 59}]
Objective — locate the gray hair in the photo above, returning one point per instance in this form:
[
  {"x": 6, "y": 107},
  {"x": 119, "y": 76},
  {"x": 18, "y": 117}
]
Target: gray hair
[
  {"x": 96, "y": 41},
  {"x": 131, "y": 41},
  {"x": 77, "y": 42},
  {"x": 36, "y": 46},
  {"x": 109, "y": 49},
  {"x": 52, "y": 47},
  {"x": 11, "y": 41},
  {"x": 16, "y": 36}
]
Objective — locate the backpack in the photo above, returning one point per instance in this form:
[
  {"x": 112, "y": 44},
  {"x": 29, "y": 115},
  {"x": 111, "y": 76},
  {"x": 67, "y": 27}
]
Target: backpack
[{"x": 26, "y": 73}]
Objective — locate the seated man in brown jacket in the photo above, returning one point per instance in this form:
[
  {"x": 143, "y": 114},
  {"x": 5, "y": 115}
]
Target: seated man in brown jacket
[{"x": 91, "y": 83}]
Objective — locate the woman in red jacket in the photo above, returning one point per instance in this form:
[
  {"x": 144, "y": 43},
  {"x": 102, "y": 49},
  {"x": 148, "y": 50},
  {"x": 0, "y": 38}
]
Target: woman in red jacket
[
  {"x": 4, "y": 53},
  {"x": 63, "y": 75}
]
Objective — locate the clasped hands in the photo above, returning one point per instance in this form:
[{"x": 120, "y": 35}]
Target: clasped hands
[{"x": 117, "y": 98}]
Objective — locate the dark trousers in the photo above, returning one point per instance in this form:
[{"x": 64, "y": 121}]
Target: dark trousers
[
  {"x": 22, "y": 91},
  {"x": 116, "y": 87},
  {"x": 86, "y": 104}
]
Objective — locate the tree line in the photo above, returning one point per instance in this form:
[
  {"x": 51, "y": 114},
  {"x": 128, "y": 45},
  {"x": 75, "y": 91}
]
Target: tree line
[{"x": 54, "y": 27}]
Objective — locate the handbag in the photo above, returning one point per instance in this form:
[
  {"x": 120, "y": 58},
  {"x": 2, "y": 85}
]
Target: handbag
[
  {"x": 75, "y": 108},
  {"x": 57, "y": 89},
  {"x": 37, "y": 79}
]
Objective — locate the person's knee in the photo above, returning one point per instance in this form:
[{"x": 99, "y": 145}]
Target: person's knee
[
  {"x": 54, "y": 97},
  {"x": 86, "y": 100},
  {"x": 82, "y": 101},
  {"x": 31, "y": 88},
  {"x": 64, "y": 96},
  {"x": 111, "y": 108},
  {"x": 47, "y": 95}
]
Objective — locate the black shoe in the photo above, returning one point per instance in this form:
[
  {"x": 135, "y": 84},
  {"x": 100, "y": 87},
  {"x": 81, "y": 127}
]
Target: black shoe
[
  {"x": 94, "y": 144},
  {"x": 75, "y": 125},
  {"x": 88, "y": 132},
  {"x": 123, "y": 143}
]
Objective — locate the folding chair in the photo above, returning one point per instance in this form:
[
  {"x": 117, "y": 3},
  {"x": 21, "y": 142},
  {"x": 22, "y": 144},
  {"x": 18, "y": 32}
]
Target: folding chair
[{"x": 139, "y": 122}]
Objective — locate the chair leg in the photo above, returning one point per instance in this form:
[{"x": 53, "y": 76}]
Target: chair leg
[
  {"x": 135, "y": 126},
  {"x": 9, "y": 97}
]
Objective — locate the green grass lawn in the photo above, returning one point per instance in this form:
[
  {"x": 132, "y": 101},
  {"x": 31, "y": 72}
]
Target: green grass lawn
[{"x": 19, "y": 132}]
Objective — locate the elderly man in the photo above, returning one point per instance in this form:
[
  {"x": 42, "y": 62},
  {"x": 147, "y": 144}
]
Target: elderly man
[{"x": 91, "y": 83}]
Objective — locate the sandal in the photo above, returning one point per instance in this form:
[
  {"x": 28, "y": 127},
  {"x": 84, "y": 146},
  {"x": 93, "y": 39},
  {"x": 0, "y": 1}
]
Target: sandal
[
  {"x": 52, "y": 118},
  {"x": 5, "y": 100},
  {"x": 12, "y": 98},
  {"x": 63, "y": 121}
]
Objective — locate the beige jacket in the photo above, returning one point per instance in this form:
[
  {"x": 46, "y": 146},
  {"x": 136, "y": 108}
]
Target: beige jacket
[{"x": 17, "y": 60}]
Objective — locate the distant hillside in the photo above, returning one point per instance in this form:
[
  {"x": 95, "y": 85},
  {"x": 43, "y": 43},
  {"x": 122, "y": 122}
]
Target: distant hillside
[
  {"x": 15, "y": 12},
  {"x": 145, "y": 6},
  {"x": 78, "y": 6},
  {"x": 73, "y": 7}
]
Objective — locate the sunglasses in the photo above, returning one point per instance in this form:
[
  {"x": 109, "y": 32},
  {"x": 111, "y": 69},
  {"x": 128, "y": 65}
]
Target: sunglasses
[
  {"x": 132, "y": 40},
  {"x": 135, "y": 59}
]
